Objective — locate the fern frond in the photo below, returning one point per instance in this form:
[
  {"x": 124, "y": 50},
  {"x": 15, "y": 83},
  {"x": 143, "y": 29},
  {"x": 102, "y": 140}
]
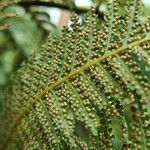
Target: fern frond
[
  {"x": 88, "y": 89},
  {"x": 3, "y": 15}
]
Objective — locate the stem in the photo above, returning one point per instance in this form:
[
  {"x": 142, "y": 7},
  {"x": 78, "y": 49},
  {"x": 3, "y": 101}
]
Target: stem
[{"x": 67, "y": 77}]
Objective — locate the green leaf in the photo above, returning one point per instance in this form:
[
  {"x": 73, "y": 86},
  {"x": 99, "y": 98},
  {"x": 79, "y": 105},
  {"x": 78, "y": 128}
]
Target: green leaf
[{"x": 86, "y": 89}]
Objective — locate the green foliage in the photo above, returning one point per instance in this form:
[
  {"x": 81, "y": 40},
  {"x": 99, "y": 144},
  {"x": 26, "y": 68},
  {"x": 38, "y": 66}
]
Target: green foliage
[
  {"x": 25, "y": 34},
  {"x": 88, "y": 89},
  {"x": 3, "y": 15}
]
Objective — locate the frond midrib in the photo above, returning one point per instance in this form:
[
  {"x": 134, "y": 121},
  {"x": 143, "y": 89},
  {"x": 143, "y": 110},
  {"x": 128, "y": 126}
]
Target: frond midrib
[
  {"x": 71, "y": 74},
  {"x": 81, "y": 69}
]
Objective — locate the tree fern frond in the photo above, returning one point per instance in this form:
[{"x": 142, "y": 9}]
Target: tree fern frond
[{"x": 88, "y": 89}]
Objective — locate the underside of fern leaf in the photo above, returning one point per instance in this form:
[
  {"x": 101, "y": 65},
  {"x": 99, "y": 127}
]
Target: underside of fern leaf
[{"x": 89, "y": 89}]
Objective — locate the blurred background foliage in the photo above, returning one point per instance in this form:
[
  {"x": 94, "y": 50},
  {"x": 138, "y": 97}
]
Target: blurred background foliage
[{"x": 26, "y": 24}]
